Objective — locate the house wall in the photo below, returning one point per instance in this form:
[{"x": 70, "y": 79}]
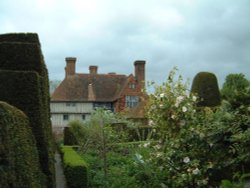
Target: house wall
[
  {"x": 71, "y": 107},
  {"x": 74, "y": 111},
  {"x": 59, "y": 122},
  {"x": 128, "y": 91}
]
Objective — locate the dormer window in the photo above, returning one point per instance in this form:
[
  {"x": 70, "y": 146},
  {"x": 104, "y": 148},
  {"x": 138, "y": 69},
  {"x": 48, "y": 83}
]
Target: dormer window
[{"x": 132, "y": 85}]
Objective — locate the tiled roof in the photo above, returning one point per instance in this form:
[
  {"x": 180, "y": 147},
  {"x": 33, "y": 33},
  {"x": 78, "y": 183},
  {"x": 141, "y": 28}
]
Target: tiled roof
[{"x": 90, "y": 87}]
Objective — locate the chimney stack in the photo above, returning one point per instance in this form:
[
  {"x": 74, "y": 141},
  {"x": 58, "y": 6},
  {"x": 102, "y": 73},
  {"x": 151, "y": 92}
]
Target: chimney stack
[
  {"x": 91, "y": 94},
  {"x": 70, "y": 68},
  {"x": 140, "y": 72},
  {"x": 93, "y": 69}
]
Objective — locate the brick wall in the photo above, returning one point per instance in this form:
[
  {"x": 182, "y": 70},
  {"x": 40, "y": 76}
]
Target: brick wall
[{"x": 129, "y": 90}]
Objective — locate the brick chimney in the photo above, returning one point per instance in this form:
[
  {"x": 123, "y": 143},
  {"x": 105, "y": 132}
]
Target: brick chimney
[
  {"x": 93, "y": 69},
  {"x": 140, "y": 72},
  {"x": 91, "y": 94},
  {"x": 70, "y": 68}
]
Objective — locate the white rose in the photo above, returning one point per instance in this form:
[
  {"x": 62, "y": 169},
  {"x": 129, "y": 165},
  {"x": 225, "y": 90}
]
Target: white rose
[
  {"x": 196, "y": 171},
  {"x": 173, "y": 116},
  {"x": 151, "y": 123},
  {"x": 194, "y": 98},
  {"x": 179, "y": 99},
  {"x": 186, "y": 160},
  {"x": 184, "y": 109},
  {"x": 162, "y": 95}
]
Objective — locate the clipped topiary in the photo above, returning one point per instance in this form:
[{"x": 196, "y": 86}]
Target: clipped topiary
[
  {"x": 19, "y": 162},
  {"x": 205, "y": 85},
  {"x": 69, "y": 138},
  {"x": 20, "y": 53}
]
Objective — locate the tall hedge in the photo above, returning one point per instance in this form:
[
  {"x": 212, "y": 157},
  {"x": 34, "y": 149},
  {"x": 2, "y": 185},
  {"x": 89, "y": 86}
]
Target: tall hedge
[
  {"x": 22, "y": 52},
  {"x": 19, "y": 161},
  {"x": 205, "y": 85}
]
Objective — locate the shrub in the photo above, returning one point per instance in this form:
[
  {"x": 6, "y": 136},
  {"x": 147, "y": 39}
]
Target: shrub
[
  {"x": 140, "y": 133},
  {"x": 69, "y": 138},
  {"x": 21, "y": 53},
  {"x": 198, "y": 148},
  {"x": 205, "y": 85},
  {"x": 75, "y": 168},
  {"x": 19, "y": 162},
  {"x": 236, "y": 90}
]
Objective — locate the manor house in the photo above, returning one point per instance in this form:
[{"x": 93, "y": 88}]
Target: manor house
[{"x": 79, "y": 94}]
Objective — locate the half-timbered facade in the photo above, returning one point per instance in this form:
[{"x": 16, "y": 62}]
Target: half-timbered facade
[{"x": 80, "y": 94}]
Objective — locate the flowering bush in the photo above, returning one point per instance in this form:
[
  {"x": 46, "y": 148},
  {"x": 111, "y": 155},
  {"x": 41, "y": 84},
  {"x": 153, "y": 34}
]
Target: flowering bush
[
  {"x": 172, "y": 104},
  {"x": 198, "y": 147}
]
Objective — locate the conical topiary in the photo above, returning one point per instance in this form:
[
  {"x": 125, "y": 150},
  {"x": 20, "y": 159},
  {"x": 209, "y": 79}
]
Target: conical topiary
[
  {"x": 205, "y": 85},
  {"x": 19, "y": 160}
]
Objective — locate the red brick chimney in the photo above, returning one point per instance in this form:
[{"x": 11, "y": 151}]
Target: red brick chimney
[
  {"x": 140, "y": 72},
  {"x": 70, "y": 68},
  {"x": 93, "y": 69}
]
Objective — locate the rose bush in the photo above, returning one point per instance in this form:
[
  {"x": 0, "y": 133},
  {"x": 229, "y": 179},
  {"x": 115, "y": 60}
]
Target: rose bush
[{"x": 198, "y": 147}]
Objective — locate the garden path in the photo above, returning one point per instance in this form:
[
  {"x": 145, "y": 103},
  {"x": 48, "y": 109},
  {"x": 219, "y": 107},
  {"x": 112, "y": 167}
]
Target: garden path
[{"x": 60, "y": 178}]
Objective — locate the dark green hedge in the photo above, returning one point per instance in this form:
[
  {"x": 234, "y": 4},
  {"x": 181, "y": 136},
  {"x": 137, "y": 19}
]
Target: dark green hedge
[
  {"x": 75, "y": 168},
  {"x": 22, "y": 90},
  {"x": 20, "y": 37},
  {"x": 19, "y": 162},
  {"x": 22, "y": 52},
  {"x": 68, "y": 137},
  {"x": 205, "y": 85},
  {"x": 21, "y": 56}
]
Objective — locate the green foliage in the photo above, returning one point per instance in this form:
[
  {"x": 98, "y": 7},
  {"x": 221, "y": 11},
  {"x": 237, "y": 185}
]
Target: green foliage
[
  {"x": 75, "y": 168},
  {"x": 205, "y": 85},
  {"x": 198, "y": 148},
  {"x": 98, "y": 132},
  {"x": 120, "y": 173},
  {"x": 138, "y": 132},
  {"x": 238, "y": 182},
  {"x": 69, "y": 138},
  {"x": 19, "y": 162},
  {"x": 21, "y": 56},
  {"x": 236, "y": 90}
]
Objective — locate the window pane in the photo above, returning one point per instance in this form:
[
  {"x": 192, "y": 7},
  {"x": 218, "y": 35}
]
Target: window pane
[
  {"x": 132, "y": 101},
  {"x": 83, "y": 117},
  {"x": 65, "y": 117}
]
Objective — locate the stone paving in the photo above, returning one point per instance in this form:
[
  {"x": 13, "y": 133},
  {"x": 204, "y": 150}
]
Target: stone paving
[{"x": 60, "y": 178}]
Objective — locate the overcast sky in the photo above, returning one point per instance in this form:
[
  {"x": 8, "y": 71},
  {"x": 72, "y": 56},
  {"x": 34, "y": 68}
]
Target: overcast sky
[{"x": 194, "y": 35}]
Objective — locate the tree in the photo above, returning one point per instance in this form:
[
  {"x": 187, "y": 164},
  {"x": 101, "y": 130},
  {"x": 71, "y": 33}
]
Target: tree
[
  {"x": 97, "y": 133},
  {"x": 236, "y": 90},
  {"x": 53, "y": 84}
]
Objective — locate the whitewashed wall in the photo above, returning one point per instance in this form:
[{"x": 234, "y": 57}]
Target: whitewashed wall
[
  {"x": 73, "y": 110},
  {"x": 63, "y": 107}
]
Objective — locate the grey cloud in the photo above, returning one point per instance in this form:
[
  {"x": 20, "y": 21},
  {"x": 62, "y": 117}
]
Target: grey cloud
[{"x": 192, "y": 35}]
